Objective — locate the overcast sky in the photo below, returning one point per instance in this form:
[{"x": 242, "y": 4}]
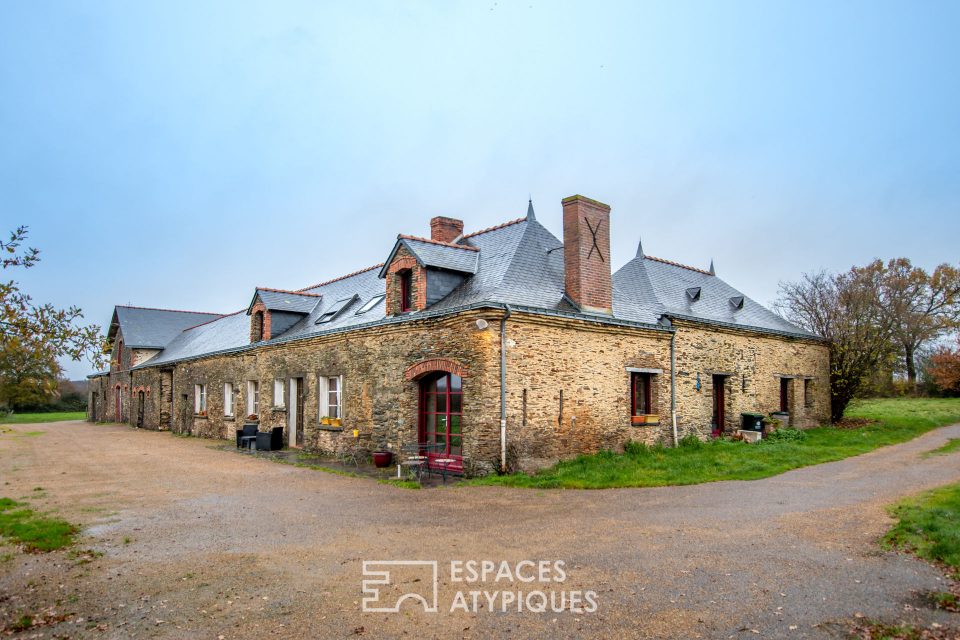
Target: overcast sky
[{"x": 178, "y": 154}]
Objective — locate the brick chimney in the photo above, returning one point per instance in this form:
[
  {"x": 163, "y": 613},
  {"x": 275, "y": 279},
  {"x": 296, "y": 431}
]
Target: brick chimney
[
  {"x": 586, "y": 254},
  {"x": 445, "y": 229}
]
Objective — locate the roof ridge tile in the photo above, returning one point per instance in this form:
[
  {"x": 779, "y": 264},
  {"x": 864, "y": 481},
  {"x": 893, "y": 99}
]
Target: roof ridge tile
[
  {"x": 339, "y": 278},
  {"x": 452, "y": 245},
  {"x": 677, "y": 264},
  {"x": 131, "y": 306},
  {"x": 298, "y": 292},
  {"x": 494, "y": 228}
]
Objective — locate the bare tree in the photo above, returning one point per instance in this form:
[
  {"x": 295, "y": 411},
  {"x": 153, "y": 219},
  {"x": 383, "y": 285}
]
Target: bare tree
[
  {"x": 846, "y": 310},
  {"x": 921, "y": 307}
]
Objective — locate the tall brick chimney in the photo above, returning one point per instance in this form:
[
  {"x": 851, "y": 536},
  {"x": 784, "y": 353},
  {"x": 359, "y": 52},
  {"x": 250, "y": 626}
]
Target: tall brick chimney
[
  {"x": 445, "y": 229},
  {"x": 586, "y": 254}
]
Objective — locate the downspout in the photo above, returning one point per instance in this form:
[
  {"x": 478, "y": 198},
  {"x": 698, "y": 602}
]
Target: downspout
[
  {"x": 503, "y": 388},
  {"x": 673, "y": 384}
]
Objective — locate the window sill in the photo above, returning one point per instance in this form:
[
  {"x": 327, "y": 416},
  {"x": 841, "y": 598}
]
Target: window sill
[
  {"x": 646, "y": 424},
  {"x": 279, "y": 409},
  {"x": 329, "y": 427},
  {"x": 197, "y": 416},
  {"x": 229, "y": 418}
]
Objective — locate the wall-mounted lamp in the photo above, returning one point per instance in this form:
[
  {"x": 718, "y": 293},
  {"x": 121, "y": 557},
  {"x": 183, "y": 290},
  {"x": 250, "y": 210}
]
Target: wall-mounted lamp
[{"x": 482, "y": 324}]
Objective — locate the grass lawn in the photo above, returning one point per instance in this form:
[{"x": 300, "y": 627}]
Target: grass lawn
[
  {"x": 694, "y": 462},
  {"x": 929, "y": 526},
  {"x": 35, "y": 532},
  {"x": 33, "y": 418}
]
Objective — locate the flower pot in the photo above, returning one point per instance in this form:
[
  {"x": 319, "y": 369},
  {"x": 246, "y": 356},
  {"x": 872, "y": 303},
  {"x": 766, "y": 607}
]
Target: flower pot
[
  {"x": 336, "y": 422},
  {"x": 382, "y": 459},
  {"x": 325, "y": 420}
]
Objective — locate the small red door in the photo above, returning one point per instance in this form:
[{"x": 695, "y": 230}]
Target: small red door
[
  {"x": 719, "y": 406},
  {"x": 441, "y": 415}
]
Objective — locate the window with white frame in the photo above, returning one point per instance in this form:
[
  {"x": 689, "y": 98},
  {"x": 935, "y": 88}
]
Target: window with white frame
[
  {"x": 253, "y": 398},
  {"x": 200, "y": 399},
  {"x": 228, "y": 399},
  {"x": 278, "y": 393},
  {"x": 331, "y": 396}
]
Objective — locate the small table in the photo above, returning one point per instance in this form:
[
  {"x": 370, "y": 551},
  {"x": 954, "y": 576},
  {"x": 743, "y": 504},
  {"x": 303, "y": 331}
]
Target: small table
[
  {"x": 417, "y": 464},
  {"x": 446, "y": 462}
]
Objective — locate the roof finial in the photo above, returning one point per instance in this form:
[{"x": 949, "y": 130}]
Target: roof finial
[
  {"x": 530, "y": 214},
  {"x": 640, "y": 253},
  {"x": 713, "y": 271}
]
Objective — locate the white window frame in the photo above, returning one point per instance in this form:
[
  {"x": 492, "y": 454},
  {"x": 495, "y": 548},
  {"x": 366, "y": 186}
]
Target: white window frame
[
  {"x": 228, "y": 399},
  {"x": 278, "y": 393},
  {"x": 253, "y": 398},
  {"x": 324, "y": 397},
  {"x": 199, "y": 398}
]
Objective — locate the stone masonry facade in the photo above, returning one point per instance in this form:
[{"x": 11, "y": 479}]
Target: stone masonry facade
[{"x": 568, "y": 372}]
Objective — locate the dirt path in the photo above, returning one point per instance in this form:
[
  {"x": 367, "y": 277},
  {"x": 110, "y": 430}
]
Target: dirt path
[{"x": 205, "y": 543}]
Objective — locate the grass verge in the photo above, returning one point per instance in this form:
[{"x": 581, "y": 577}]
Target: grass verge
[
  {"x": 887, "y": 421},
  {"x": 35, "y": 532},
  {"x": 929, "y": 526},
  {"x": 34, "y": 418},
  {"x": 953, "y": 444}
]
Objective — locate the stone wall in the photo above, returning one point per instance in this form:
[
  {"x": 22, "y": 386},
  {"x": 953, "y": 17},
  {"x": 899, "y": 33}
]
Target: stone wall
[
  {"x": 587, "y": 363},
  {"x": 753, "y": 365},
  {"x": 378, "y": 399}
]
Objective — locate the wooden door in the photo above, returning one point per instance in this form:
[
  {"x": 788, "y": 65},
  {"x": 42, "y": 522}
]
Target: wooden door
[
  {"x": 295, "y": 437},
  {"x": 719, "y": 405},
  {"x": 140, "y": 403},
  {"x": 166, "y": 398}
]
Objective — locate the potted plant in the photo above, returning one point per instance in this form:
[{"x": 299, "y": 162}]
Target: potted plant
[
  {"x": 382, "y": 456},
  {"x": 325, "y": 420},
  {"x": 336, "y": 422},
  {"x": 253, "y": 418}
]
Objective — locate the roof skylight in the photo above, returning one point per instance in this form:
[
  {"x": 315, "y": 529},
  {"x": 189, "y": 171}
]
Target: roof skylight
[
  {"x": 370, "y": 304},
  {"x": 335, "y": 309}
]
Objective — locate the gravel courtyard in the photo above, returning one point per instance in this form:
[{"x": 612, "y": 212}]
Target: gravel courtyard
[{"x": 198, "y": 542}]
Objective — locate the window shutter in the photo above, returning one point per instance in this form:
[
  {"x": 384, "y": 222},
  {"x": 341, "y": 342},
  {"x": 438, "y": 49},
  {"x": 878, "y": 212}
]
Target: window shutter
[
  {"x": 340, "y": 396},
  {"x": 324, "y": 397}
]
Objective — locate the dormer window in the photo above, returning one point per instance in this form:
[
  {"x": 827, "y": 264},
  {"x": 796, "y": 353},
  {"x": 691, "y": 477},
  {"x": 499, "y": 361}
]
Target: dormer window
[
  {"x": 256, "y": 326},
  {"x": 406, "y": 290}
]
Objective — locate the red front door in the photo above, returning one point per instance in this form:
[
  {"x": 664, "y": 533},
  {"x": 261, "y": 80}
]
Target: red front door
[
  {"x": 441, "y": 414},
  {"x": 719, "y": 406}
]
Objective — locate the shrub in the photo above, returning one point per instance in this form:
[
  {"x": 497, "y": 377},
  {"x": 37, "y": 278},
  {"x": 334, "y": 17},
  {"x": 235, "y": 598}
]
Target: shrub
[
  {"x": 690, "y": 441},
  {"x": 634, "y": 448}
]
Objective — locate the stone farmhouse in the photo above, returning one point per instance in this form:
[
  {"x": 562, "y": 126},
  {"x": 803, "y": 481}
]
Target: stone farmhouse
[{"x": 506, "y": 347}]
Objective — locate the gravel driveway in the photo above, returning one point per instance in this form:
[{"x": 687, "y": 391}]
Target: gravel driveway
[{"x": 204, "y": 543}]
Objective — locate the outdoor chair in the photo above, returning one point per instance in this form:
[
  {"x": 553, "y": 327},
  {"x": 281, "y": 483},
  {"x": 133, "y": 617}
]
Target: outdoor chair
[
  {"x": 416, "y": 458},
  {"x": 272, "y": 441},
  {"x": 245, "y": 435}
]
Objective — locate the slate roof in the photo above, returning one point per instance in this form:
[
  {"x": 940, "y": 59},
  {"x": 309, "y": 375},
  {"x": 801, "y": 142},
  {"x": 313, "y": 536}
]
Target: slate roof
[
  {"x": 439, "y": 255},
  {"x": 144, "y": 328},
  {"x": 519, "y": 263},
  {"x": 662, "y": 286},
  {"x": 280, "y": 300}
]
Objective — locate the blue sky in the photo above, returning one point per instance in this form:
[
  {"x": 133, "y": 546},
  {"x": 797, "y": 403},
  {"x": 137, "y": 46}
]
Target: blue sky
[{"x": 177, "y": 154}]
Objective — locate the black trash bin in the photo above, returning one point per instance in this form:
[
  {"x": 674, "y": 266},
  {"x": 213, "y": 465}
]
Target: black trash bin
[{"x": 751, "y": 421}]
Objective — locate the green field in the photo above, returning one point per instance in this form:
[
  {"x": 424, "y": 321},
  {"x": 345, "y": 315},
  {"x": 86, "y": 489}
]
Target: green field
[
  {"x": 898, "y": 420},
  {"x": 929, "y": 526},
  {"x": 33, "y": 418}
]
